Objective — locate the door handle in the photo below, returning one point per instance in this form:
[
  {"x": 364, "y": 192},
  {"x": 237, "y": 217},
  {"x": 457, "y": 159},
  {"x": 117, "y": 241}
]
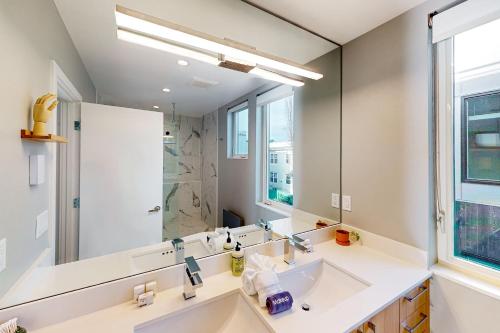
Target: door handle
[{"x": 154, "y": 210}]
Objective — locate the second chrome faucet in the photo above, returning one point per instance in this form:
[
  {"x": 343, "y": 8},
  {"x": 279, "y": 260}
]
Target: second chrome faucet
[
  {"x": 292, "y": 243},
  {"x": 192, "y": 278}
]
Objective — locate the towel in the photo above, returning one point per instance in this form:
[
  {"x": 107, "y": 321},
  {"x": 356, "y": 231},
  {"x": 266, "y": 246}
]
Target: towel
[
  {"x": 260, "y": 262},
  {"x": 247, "y": 281},
  {"x": 222, "y": 231},
  {"x": 259, "y": 277},
  {"x": 266, "y": 283},
  {"x": 9, "y": 327},
  {"x": 216, "y": 244}
]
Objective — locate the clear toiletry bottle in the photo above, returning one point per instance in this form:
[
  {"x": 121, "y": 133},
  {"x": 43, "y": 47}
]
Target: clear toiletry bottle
[
  {"x": 228, "y": 245},
  {"x": 237, "y": 260}
]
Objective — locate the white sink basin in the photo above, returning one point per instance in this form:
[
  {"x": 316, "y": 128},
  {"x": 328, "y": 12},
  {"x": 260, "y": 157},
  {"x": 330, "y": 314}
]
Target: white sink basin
[
  {"x": 320, "y": 285},
  {"x": 231, "y": 313},
  {"x": 165, "y": 256}
]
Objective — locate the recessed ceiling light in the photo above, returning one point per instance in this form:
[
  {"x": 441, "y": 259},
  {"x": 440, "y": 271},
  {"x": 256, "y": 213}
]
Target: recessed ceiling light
[
  {"x": 182, "y": 62},
  {"x": 156, "y": 107},
  {"x": 165, "y": 90}
]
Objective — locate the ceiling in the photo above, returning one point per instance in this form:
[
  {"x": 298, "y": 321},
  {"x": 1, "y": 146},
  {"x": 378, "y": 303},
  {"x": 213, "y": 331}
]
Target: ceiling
[
  {"x": 130, "y": 75},
  {"x": 339, "y": 20}
]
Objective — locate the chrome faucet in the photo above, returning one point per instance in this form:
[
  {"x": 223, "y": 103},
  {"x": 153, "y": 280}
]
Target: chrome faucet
[
  {"x": 192, "y": 278},
  {"x": 295, "y": 242},
  {"x": 268, "y": 233},
  {"x": 178, "y": 244}
]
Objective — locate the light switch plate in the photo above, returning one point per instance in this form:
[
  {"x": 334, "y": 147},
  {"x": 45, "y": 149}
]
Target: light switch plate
[
  {"x": 37, "y": 169},
  {"x": 3, "y": 254},
  {"x": 42, "y": 224},
  {"x": 335, "y": 200},
  {"x": 346, "y": 203}
]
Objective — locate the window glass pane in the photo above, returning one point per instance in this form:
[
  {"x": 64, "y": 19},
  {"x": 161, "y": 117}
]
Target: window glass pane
[
  {"x": 477, "y": 145},
  {"x": 241, "y": 132},
  {"x": 280, "y": 150}
]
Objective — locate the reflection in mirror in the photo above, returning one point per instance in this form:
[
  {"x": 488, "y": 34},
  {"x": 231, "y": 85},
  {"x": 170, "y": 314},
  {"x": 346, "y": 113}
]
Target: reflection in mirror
[{"x": 184, "y": 135}]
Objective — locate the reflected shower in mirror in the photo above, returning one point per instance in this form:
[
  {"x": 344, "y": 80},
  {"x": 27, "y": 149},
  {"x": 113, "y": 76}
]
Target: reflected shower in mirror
[{"x": 181, "y": 132}]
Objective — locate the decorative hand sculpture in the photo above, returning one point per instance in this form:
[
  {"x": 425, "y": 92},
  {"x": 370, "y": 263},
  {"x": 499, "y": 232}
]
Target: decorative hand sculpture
[{"x": 41, "y": 113}]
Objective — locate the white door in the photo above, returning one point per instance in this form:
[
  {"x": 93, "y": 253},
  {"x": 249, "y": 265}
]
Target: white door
[{"x": 121, "y": 176}]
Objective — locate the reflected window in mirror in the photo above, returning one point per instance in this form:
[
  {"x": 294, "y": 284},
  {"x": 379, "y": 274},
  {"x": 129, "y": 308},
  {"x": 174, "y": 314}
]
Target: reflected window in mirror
[
  {"x": 238, "y": 131},
  {"x": 276, "y": 107}
]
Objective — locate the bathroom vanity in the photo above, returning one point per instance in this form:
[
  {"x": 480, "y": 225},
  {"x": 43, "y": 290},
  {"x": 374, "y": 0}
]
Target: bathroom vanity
[{"x": 348, "y": 289}]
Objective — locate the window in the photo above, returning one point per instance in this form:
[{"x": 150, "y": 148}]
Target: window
[
  {"x": 274, "y": 177},
  {"x": 468, "y": 164},
  {"x": 237, "y": 131},
  {"x": 276, "y": 109},
  {"x": 481, "y": 137}
]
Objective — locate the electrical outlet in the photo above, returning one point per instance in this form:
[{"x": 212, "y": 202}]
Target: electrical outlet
[
  {"x": 335, "y": 200},
  {"x": 3, "y": 254},
  {"x": 42, "y": 224},
  {"x": 346, "y": 203}
]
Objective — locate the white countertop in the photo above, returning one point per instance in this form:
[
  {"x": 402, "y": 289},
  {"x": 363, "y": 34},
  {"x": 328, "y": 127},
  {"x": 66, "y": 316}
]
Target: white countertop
[{"x": 389, "y": 279}]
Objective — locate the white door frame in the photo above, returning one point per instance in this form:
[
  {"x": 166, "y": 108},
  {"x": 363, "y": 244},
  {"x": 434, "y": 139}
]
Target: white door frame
[{"x": 63, "y": 88}]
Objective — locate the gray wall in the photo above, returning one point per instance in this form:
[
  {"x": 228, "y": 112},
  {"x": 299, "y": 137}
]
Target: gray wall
[
  {"x": 31, "y": 34},
  {"x": 316, "y": 169},
  {"x": 317, "y": 139},
  {"x": 385, "y": 141}
]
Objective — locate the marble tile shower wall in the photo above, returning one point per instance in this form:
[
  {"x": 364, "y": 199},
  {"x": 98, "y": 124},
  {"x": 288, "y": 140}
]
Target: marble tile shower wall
[
  {"x": 209, "y": 170},
  {"x": 182, "y": 178}
]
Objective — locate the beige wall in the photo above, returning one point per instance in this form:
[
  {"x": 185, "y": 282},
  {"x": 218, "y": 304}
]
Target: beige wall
[
  {"x": 386, "y": 154},
  {"x": 31, "y": 34},
  {"x": 385, "y": 142},
  {"x": 317, "y": 121}
]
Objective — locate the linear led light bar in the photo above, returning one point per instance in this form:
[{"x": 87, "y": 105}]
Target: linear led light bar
[
  {"x": 135, "y": 21},
  {"x": 166, "y": 47},
  {"x": 134, "y": 38},
  {"x": 276, "y": 77}
]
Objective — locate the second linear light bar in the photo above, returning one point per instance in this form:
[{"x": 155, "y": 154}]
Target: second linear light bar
[{"x": 129, "y": 22}]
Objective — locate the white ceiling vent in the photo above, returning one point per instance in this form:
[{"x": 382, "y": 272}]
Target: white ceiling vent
[{"x": 198, "y": 82}]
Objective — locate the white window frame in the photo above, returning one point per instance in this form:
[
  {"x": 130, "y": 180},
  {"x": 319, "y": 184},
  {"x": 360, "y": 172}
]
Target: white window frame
[
  {"x": 232, "y": 138},
  {"x": 263, "y": 108},
  {"x": 446, "y": 168}
]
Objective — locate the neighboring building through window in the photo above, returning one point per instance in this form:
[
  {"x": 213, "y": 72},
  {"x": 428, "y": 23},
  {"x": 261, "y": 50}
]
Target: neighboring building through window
[
  {"x": 237, "y": 131},
  {"x": 276, "y": 108},
  {"x": 470, "y": 136},
  {"x": 274, "y": 177}
]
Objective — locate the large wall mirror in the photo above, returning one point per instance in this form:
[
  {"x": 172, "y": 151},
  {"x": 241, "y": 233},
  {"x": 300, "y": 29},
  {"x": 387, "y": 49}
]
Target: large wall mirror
[{"x": 186, "y": 122}]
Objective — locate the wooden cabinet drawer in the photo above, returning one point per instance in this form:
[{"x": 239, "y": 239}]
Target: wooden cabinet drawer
[
  {"x": 417, "y": 322},
  {"x": 415, "y": 299}
]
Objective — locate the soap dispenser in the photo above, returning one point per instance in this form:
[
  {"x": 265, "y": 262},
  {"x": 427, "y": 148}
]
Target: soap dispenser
[
  {"x": 237, "y": 260},
  {"x": 228, "y": 245}
]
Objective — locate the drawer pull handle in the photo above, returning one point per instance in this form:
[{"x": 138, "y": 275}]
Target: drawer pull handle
[
  {"x": 422, "y": 290},
  {"x": 408, "y": 329},
  {"x": 372, "y": 326}
]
